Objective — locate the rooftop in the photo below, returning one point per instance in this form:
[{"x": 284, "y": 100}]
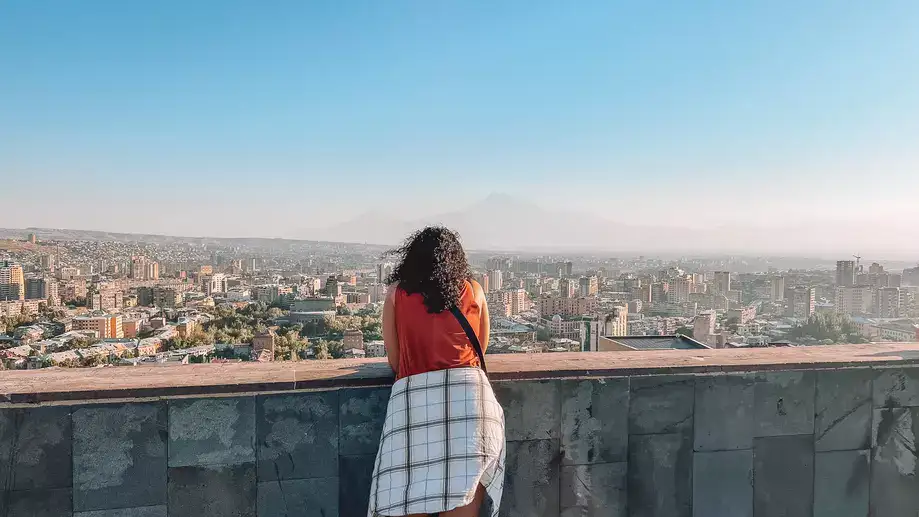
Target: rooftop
[{"x": 675, "y": 342}]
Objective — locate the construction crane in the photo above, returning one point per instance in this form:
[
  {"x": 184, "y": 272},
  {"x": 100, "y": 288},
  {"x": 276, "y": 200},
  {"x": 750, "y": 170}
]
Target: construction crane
[{"x": 858, "y": 260}]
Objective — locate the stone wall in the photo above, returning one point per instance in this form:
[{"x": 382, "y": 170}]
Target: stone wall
[{"x": 837, "y": 443}]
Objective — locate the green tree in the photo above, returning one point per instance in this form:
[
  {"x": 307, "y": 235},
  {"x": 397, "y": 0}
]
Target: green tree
[
  {"x": 322, "y": 350},
  {"x": 336, "y": 349},
  {"x": 82, "y": 343}
]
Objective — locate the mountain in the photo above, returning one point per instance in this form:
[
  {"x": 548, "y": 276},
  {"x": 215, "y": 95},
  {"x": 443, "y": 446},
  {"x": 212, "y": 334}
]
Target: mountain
[{"x": 502, "y": 222}]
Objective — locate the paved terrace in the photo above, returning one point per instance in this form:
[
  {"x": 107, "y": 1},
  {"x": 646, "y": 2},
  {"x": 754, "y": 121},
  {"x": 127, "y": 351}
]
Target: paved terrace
[{"x": 821, "y": 431}]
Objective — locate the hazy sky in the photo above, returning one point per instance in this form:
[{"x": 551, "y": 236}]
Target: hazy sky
[{"x": 259, "y": 118}]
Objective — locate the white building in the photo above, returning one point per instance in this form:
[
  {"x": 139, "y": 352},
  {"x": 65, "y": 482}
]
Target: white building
[
  {"x": 495, "y": 280},
  {"x": 778, "y": 288},
  {"x": 703, "y": 328}
]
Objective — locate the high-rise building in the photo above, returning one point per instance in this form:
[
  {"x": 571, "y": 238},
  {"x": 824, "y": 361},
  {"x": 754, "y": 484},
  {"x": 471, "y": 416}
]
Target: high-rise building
[
  {"x": 722, "y": 282},
  {"x": 46, "y": 262},
  {"x": 889, "y": 302},
  {"x": 495, "y": 280},
  {"x": 216, "y": 283},
  {"x": 854, "y": 300},
  {"x": 139, "y": 267},
  {"x": 508, "y": 302},
  {"x": 800, "y": 301},
  {"x": 332, "y": 287},
  {"x": 41, "y": 288},
  {"x": 778, "y": 288},
  {"x": 551, "y": 305},
  {"x": 567, "y": 287},
  {"x": 167, "y": 297},
  {"x": 588, "y": 286},
  {"x": 12, "y": 281},
  {"x": 680, "y": 289},
  {"x": 153, "y": 271},
  {"x": 875, "y": 269},
  {"x": 635, "y": 306},
  {"x": 845, "y": 273},
  {"x": 613, "y": 323},
  {"x": 384, "y": 269},
  {"x": 660, "y": 292},
  {"x": 482, "y": 279},
  {"x": 894, "y": 280}
]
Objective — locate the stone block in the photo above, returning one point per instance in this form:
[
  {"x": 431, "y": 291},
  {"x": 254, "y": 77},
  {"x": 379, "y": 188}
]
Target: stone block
[
  {"x": 896, "y": 387},
  {"x": 784, "y": 403},
  {"x": 594, "y": 421},
  {"x": 531, "y": 488},
  {"x": 35, "y": 448},
  {"x": 211, "y": 431},
  {"x": 119, "y": 456},
  {"x": 894, "y": 482},
  {"x": 362, "y": 414},
  {"x": 597, "y": 490},
  {"x": 355, "y": 474},
  {"x": 142, "y": 511},
  {"x": 661, "y": 404},
  {"x": 724, "y": 412},
  {"x": 50, "y": 502},
  {"x": 660, "y": 475},
  {"x": 297, "y": 436},
  {"x": 531, "y": 409},
  {"x": 722, "y": 484},
  {"x": 843, "y": 410},
  {"x": 783, "y": 476},
  {"x": 317, "y": 497},
  {"x": 841, "y": 484},
  {"x": 224, "y": 490}
]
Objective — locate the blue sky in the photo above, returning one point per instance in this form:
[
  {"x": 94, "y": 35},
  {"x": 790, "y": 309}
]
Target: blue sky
[{"x": 222, "y": 115}]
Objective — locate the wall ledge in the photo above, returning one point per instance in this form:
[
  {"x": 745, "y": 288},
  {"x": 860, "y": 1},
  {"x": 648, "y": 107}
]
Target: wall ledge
[{"x": 122, "y": 382}]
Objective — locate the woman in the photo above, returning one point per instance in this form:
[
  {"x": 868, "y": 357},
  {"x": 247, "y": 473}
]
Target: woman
[{"x": 442, "y": 446}]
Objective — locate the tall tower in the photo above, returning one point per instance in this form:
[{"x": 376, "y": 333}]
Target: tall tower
[{"x": 845, "y": 273}]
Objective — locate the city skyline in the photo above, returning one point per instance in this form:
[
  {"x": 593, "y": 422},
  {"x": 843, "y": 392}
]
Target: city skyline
[
  {"x": 247, "y": 120},
  {"x": 494, "y": 224}
]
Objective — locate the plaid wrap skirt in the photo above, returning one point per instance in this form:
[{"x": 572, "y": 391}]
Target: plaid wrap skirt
[{"x": 443, "y": 436}]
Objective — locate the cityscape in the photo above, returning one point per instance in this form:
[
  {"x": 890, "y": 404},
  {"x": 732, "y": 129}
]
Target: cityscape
[
  {"x": 694, "y": 223},
  {"x": 88, "y": 299}
]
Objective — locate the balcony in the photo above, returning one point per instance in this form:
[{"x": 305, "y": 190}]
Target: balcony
[{"x": 822, "y": 431}]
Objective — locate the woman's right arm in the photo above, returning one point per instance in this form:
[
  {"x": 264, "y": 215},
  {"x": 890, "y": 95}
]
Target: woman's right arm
[{"x": 390, "y": 335}]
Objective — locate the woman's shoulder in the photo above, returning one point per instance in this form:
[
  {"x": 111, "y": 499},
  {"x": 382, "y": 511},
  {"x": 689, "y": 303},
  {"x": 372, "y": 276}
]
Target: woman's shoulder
[
  {"x": 392, "y": 290},
  {"x": 477, "y": 292}
]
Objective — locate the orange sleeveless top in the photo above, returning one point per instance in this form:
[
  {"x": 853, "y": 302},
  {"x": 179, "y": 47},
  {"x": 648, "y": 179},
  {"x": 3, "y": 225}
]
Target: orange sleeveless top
[{"x": 430, "y": 342}]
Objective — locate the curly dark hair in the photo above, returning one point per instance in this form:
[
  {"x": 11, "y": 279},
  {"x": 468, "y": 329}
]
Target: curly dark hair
[{"x": 433, "y": 264}]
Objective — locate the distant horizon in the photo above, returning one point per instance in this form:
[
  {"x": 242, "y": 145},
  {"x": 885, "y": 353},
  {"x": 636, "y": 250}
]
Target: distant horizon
[{"x": 907, "y": 259}]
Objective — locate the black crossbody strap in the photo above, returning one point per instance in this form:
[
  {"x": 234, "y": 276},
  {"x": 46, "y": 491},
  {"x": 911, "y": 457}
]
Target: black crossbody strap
[{"x": 461, "y": 318}]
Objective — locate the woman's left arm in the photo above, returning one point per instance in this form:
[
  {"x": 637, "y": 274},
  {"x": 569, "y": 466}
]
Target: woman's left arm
[
  {"x": 390, "y": 335},
  {"x": 484, "y": 321}
]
